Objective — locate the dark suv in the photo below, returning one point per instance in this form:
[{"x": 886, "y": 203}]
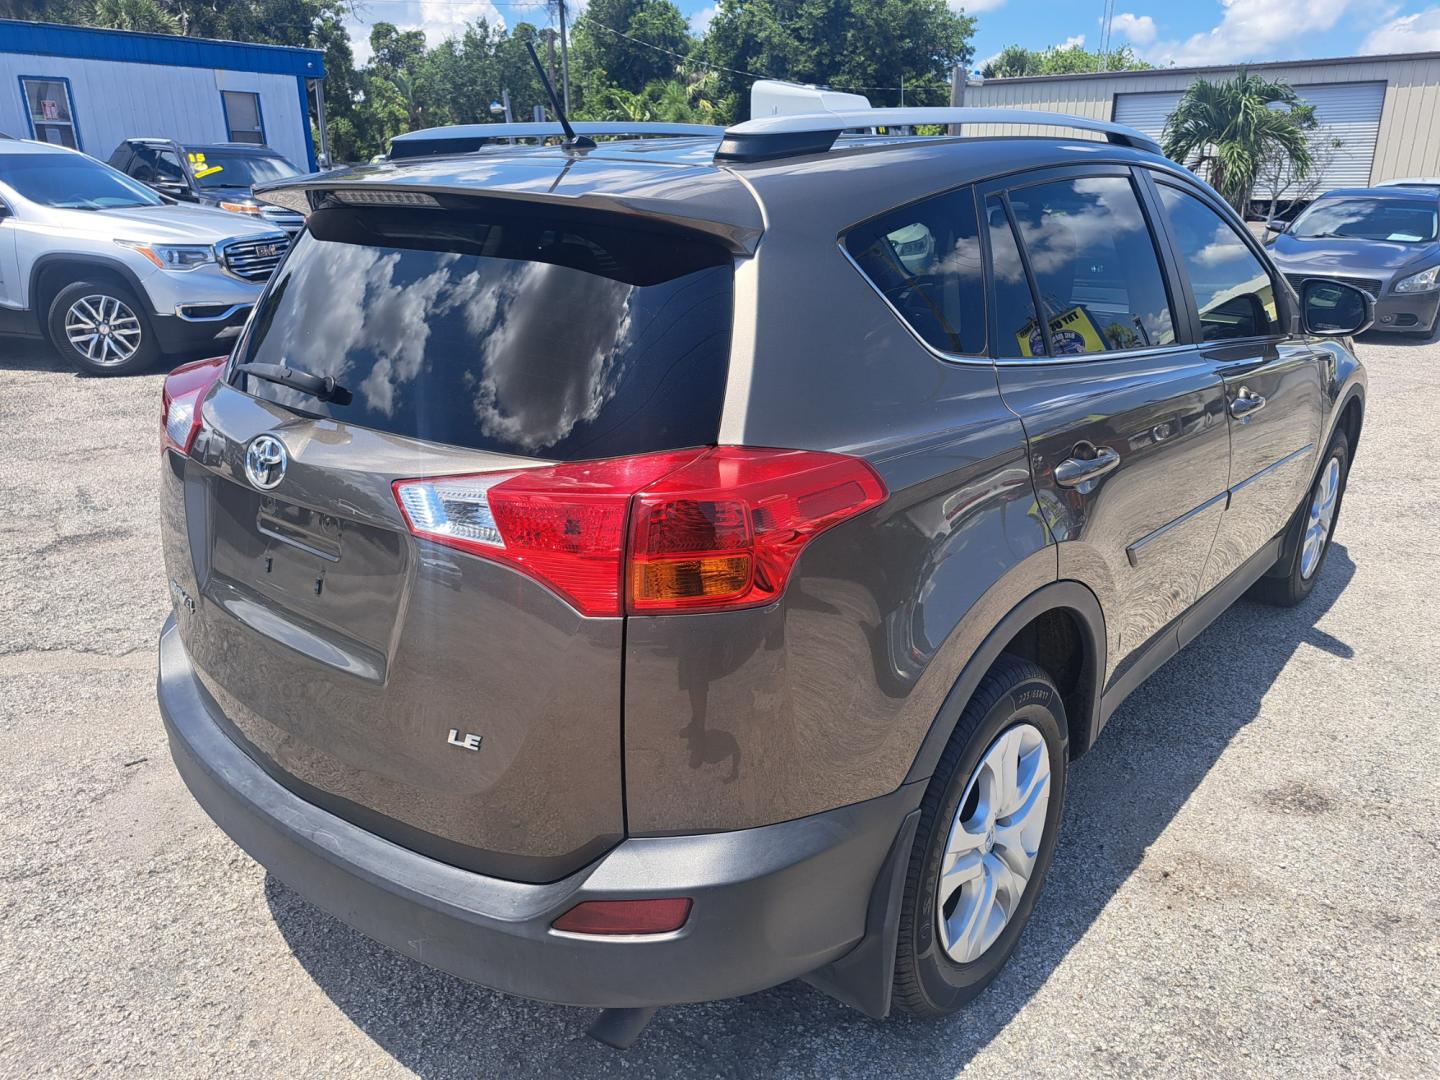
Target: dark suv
[
  {"x": 223, "y": 175},
  {"x": 647, "y": 573}
]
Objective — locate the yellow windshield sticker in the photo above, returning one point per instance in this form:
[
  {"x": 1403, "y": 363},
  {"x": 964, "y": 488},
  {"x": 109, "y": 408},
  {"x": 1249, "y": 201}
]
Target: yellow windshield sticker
[{"x": 200, "y": 169}]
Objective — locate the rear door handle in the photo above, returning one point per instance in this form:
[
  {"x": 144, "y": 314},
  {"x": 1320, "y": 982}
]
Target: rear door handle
[
  {"x": 1245, "y": 403},
  {"x": 1078, "y": 472}
]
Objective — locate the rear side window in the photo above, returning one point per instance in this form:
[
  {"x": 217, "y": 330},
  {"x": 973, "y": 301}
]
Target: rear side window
[
  {"x": 925, "y": 259},
  {"x": 1233, "y": 292},
  {"x": 1095, "y": 266},
  {"x": 559, "y": 335}
]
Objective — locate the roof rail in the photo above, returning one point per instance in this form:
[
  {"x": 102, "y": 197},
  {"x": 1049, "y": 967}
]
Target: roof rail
[
  {"x": 814, "y": 133},
  {"x": 465, "y": 138}
]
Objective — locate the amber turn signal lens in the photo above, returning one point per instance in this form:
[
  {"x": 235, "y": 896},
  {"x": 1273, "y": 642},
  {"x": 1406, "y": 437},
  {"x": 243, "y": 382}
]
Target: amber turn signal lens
[{"x": 710, "y": 577}]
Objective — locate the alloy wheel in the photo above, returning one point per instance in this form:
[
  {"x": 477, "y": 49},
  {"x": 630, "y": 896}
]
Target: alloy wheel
[
  {"x": 993, "y": 842},
  {"x": 103, "y": 329},
  {"x": 1322, "y": 517}
]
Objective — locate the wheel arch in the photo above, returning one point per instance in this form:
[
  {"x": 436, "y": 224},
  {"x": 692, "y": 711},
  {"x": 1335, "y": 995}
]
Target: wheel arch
[
  {"x": 51, "y": 273},
  {"x": 1059, "y": 626}
]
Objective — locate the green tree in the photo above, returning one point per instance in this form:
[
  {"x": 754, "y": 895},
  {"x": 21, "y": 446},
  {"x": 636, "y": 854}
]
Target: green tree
[
  {"x": 149, "y": 16},
  {"x": 1229, "y": 130},
  {"x": 1016, "y": 61},
  {"x": 609, "y": 60},
  {"x": 865, "y": 45}
]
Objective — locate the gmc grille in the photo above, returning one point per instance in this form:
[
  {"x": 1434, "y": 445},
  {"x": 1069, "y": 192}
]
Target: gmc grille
[
  {"x": 1370, "y": 285},
  {"x": 254, "y": 260}
]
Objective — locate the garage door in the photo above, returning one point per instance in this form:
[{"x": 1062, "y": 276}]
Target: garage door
[{"x": 1349, "y": 112}]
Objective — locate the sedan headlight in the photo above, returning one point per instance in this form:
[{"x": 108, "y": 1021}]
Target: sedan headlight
[
  {"x": 172, "y": 256},
  {"x": 1421, "y": 282}
]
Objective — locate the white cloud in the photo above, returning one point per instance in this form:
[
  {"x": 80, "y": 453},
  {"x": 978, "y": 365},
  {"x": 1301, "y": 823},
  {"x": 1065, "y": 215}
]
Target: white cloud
[
  {"x": 1409, "y": 33},
  {"x": 1137, "y": 29},
  {"x": 1254, "y": 29},
  {"x": 970, "y": 7},
  {"x": 700, "y": 21},
  {"x": 1075, "y": 41}
]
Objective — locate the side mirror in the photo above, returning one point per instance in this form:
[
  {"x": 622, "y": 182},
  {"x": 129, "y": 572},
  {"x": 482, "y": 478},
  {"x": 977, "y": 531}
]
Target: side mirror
[
  {"x": 174, "y": 188},
  {"x": 1334, "y": 309},
  {"x": 1275, "y": 226}
]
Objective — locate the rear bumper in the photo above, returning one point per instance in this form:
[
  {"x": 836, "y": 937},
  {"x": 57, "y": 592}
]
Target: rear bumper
[{"x": 770, "y": 904}]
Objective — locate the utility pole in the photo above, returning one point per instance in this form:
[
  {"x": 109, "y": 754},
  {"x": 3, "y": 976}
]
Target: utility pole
[
  {"x": 564, "y": 58},
  {"x": 957, "y": 93}
]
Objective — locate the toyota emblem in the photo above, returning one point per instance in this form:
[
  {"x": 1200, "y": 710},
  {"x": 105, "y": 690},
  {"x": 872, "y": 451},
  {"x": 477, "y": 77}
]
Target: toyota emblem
[{"x": 265, "y": 462}]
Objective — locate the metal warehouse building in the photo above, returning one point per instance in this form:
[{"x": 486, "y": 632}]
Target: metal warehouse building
[
  {"x": 1385, "y": 110},
  {"x": 91, "y": 89}
]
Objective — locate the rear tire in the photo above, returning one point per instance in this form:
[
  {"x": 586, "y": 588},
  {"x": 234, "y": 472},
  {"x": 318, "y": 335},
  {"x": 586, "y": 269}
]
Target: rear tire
[
  {"x": 951, "y": 944},
  {"x": 101, "y": 327},
  {"x": 1310, "y": 533}
]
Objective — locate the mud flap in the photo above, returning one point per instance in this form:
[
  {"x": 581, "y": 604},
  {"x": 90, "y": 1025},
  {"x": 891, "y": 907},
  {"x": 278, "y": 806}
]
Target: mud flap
[{"x": 863, "y": 977}]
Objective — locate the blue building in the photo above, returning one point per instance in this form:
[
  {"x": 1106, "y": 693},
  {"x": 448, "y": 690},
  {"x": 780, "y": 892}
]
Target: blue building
[{"x": 90, "y": 89}]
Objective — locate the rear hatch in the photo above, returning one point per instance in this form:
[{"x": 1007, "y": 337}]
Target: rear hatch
[{"x": 380, "y": 664}]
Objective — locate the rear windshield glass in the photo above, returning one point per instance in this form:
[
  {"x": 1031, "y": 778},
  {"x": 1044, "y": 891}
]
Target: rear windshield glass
[{"x": 561, "y": 336}]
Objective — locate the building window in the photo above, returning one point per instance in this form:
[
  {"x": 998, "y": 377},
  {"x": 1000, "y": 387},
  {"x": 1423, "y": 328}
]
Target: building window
[
  {"x": 243, "y": 121},
  {"x": 51, "y": 112}
]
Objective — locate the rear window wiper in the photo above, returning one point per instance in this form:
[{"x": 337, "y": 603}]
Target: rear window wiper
[{"x": 323, "y": 387}]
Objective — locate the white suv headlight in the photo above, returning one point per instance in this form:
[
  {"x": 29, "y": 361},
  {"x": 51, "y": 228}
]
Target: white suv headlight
[
  {"x": 1421, "y": 282},
  {"x": 172, "y": 256}
]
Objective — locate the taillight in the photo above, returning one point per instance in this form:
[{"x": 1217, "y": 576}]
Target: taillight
[
  {"x": 180, "y": 400},
  {"x": 725, "y": 530},
  {"x": 704, "y": 530}
]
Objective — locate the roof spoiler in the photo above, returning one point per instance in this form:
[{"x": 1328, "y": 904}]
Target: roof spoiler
[
  {"x": 467, "y": 138},
  {"x": 814, "y": 133}
]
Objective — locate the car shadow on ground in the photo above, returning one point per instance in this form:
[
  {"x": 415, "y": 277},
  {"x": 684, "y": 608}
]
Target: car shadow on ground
[
  {"x": 1404, "y": 341},
  {"x": 32, "y": 354},
  {"x": 1156, "y": 750}
]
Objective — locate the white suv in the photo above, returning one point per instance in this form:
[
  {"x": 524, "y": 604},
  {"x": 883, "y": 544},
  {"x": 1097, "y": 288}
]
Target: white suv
[{"x": 113, "y": 274}]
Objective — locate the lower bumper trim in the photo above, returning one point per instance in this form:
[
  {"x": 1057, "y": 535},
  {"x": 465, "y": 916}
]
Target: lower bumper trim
[{"x": 770, "y": 904}]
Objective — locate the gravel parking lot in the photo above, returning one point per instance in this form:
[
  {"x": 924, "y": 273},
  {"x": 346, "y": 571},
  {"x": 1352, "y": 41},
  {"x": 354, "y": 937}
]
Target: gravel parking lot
[{"x": 1248, "y": 881}]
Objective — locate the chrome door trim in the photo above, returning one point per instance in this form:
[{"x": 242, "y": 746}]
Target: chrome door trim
[{"x": 1132, "y": 553}]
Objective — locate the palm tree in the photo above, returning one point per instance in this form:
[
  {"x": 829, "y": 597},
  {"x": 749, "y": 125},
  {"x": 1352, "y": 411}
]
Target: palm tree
[{"x": 1231, "y": 129}]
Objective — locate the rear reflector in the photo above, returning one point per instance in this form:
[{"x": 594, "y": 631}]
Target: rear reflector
[
  {"x": 704, "y": 529},
  {"x": 181, "y": 398},
  {"x": 625, "y": 916}
]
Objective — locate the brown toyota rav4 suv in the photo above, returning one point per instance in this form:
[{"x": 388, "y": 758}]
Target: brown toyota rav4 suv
[{"x": 651, "y": 571}]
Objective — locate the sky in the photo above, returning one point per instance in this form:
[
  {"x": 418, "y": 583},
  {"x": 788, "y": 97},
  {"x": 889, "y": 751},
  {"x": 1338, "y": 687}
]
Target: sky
[{"x": 1181, "y": 32}]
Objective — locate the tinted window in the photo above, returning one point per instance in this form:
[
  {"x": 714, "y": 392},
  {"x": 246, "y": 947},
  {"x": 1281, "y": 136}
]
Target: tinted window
[
  {"x": 1095, "y": 266},
  {"x": 72, "y": 181},
  {"x": 1402, "y": 221},
  {"x": 1015, "y": 322},
  {"x": 226, "y": 168},
  {"x": 558, "y": 336},
  {"x": 1233, "y": 291},
  {"x": 154, "y": 164},
  {"x": 926, "y": 260}
]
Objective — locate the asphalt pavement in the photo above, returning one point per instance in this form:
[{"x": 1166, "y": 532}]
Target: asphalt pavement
[{"x": 1248, "y": 882}]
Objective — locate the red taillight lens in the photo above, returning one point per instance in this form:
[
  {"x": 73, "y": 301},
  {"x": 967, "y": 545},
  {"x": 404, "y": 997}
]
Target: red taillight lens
[
  {"x": 562, "y": 524},
  {"x": 707, "y": 529},
  {"x": 180, "y": 400},
  {"x": 725, "y": 530},
  {"x": 625, "y": 916}
]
